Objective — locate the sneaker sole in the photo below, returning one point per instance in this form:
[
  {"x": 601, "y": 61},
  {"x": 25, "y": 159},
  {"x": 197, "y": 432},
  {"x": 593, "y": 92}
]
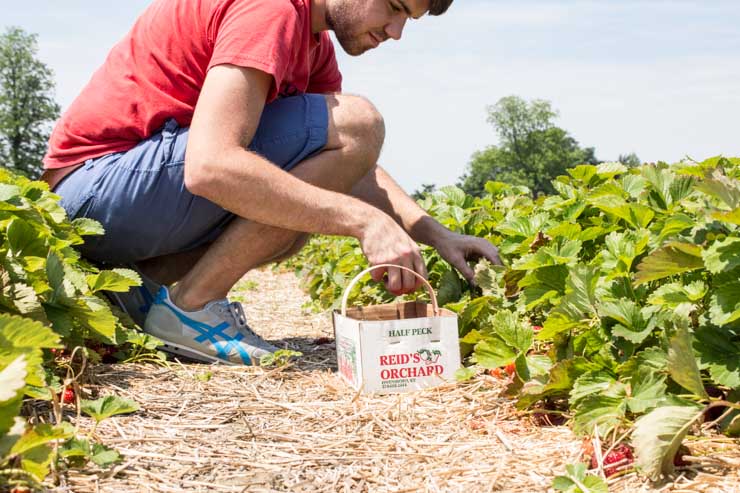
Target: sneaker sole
[{"x": 193, "y": 354}]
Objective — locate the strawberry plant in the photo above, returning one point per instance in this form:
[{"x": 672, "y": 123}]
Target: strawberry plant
[
  {"x": 617, "y": 304},
  {"x": 50, "y": 299}
]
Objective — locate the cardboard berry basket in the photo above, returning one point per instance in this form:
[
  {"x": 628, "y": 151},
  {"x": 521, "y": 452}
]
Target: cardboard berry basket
[{"x": 397, "y": 347}]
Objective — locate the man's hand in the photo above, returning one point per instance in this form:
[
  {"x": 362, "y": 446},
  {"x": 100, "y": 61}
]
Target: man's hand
[
  {"x": 385, "y": 242},
  {"x": 457, "y": 249}
]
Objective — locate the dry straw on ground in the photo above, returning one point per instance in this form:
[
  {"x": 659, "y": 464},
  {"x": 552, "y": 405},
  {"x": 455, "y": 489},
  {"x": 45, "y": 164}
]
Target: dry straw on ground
[{"x": 217, "y": 429}]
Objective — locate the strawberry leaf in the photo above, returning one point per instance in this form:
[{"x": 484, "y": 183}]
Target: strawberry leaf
[
  {"x": 658, "y": 435},
  {"x": 119, "y": 280},
  {"x": 682, "y": 364},
  {"x": 674, "y": 258},
  {"x": 107, "y": 406},
  {"x": 722, "y": 255},
  {"x": 601, "y": 411},
  {"x": 718, "y": 351}
]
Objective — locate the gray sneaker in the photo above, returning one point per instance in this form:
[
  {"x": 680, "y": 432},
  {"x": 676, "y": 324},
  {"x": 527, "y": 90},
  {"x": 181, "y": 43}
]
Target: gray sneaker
[{"x": 217, "y": 333}]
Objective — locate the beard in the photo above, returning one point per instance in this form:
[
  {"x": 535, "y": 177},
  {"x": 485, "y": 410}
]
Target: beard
[{"x": 343, "y": 18}]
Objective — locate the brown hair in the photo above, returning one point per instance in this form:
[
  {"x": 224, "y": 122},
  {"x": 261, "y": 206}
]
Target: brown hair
[{"x": 439, "y": 7}]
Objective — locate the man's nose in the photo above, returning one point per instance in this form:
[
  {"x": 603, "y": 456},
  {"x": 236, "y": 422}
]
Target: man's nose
[{"x": 394, "y": 29}]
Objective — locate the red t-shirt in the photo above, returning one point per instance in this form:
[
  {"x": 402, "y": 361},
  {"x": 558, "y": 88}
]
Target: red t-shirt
[{"x": 157, "y": 70}]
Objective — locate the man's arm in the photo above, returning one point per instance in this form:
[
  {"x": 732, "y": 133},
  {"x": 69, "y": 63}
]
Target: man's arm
[
  {"x": 220, "y": 167},
  {"x": 379, "y": 189}
]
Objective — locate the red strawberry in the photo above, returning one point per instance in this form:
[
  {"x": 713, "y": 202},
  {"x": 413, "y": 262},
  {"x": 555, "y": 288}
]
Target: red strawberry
[
  {"x": 69, "y": 396},
  {"x": 536, "y": 328},
  {"x": 20, "y": 489},
  {"x": 496, "y": 372},
  {"x": 617, "y": 460},
  {"x": 510, "y": 369}
]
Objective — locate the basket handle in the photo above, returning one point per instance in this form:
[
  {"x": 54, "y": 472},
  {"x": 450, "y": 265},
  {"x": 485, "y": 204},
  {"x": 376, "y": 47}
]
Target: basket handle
[{"x": 352, "y": 283}]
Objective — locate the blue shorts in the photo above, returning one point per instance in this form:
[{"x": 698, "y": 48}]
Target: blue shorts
[{"x": 139, "y": 196}]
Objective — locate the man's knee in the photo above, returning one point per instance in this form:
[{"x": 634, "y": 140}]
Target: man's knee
[{"x": 355, "y": 123}]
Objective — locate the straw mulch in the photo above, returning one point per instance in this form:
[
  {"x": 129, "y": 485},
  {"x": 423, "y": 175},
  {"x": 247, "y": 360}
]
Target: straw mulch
[{"x": 218, "y": 429}]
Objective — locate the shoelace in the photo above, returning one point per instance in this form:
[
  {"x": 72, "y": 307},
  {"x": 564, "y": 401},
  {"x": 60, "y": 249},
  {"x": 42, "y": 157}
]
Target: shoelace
[{"x": 236, "y": 311}]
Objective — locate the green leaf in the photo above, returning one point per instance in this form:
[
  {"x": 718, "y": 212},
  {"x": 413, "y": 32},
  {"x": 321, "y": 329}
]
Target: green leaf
[
  {"x": 94, "y": 314},
  {"x": 41, "y": 435},
  {"x": 577, "y": 307},
  {"x": 621, "y": 251},
  {"x": 633, "y": 325},
  {"x": 21, "y": 332},
  {"x": 600, "y": 411},
  {"x": 575, "y": 476},
  {"x": 718, "y": 352},
  {"x": 541, "y": 285},
  {"x": 493, "y": 354},
  {"x": 593, "y": 382},
  {"x": 88, "y": 227},
  {"x": 724, "y": 303},
  {"x": 717, "y": 185},
  {"x": 674, "y": 294},
  {"x": 465, "y": 373},
  {"x": 648, "y": 391},
  {"x": 722, "y": 255},
  {"x": 12, "y": 380},
  {"x": 24, "y": 240},
  {"x": 107, "y": 406},
  {"x": 674, "y": 225},
  {"x": 682, "y": 364},
  {"x": 508, "y": 326},
  {"x": 553, "y": 254},
  {"x": 449, "y": 289},
  {"x": 36, "y": 461},
  {"x": 55, "y": 274},
  {"x": 75, "y": 447},
  {"x": 104, "y": 456},
  {"x": 658, "y": 435},
  {"x": 652, "y": 358},
  {"x": 731, "y": 217},
  {"x": 11, "y": 434},
  {"x": 9, "y": 411},
  {"x": 118, "y": 280},
  {"x": 673, "y": 258},
  {"x": 610, "y": 170}
]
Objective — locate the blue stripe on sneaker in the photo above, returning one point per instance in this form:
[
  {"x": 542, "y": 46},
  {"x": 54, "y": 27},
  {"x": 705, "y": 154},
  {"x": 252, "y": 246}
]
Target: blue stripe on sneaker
[
  {"x": 208, "y": 332},
  {"x": 148, "y": 300}
]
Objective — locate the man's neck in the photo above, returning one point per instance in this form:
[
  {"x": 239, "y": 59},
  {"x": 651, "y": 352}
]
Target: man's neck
[{"x": 318, "y": 16}]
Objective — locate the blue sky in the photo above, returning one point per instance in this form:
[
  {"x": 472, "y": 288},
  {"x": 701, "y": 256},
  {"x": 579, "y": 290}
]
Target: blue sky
[{"x": 659, "y": 78}]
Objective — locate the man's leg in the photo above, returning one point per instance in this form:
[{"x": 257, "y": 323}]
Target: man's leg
[{"x": 355, "y": 136}]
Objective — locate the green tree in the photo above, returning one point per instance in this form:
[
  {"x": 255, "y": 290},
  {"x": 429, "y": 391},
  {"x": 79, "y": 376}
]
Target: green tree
[
  {"x": 426, "y": 189},
  {"x": 27, "y": 105},
  {"x": 532, "y": 150},
  {"x": 630, "y": 160}
]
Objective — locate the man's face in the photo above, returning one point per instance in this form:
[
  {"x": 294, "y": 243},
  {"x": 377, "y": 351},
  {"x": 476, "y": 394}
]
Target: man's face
[{"x": 361, "y": 25}]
